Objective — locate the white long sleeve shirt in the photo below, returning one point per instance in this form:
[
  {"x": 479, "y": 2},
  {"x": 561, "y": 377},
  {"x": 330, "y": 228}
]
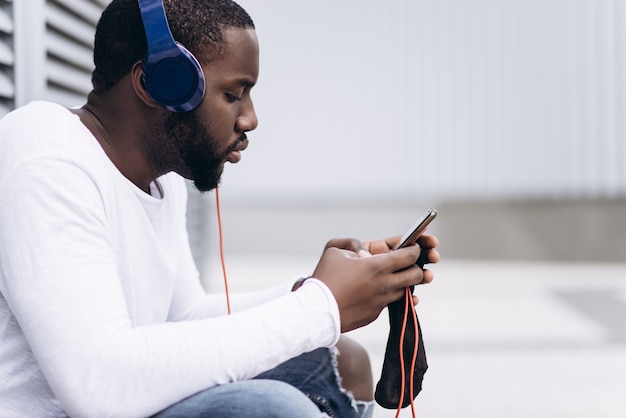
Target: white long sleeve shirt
[{"x": 101, "y": 309}]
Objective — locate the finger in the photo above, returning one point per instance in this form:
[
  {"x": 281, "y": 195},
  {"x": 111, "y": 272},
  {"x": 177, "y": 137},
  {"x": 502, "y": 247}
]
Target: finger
[
  {"x": 428, "y": 241},
  {"x": 382, "y": 246},
  {"x": 427, "y": 276},
  {"x": 400, "y": 259},
  {"x": 392, "y": 242},
  {"x": 351, "y": 244},
  {"x": 410, "y": 276},
  {"x": 428, "y": 256},
  {"x": 364, "y": 253},
  {"x": 415, "y": 300}
]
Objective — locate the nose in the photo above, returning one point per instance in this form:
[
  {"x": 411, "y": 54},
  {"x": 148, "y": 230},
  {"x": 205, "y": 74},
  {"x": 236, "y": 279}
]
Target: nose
[{"x": 247, "y": 120}]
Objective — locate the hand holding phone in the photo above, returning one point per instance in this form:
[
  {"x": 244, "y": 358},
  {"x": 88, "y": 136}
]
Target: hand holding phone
[{"x": 400, "y": 380}]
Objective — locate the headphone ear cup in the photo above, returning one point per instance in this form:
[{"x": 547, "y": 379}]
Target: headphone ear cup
[
  {"x": 174, "y": 79},
  {"x": 171, "y": 74}
]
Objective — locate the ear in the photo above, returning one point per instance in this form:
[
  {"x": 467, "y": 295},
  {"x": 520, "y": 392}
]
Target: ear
[{"x": 140, "y": 87}]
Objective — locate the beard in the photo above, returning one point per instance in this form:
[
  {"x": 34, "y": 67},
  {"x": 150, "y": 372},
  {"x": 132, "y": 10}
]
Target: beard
[{"x": 191, "y": 150}]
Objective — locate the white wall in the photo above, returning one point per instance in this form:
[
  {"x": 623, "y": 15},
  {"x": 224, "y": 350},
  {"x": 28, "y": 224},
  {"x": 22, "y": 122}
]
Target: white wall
[
  {"x": 421, "y": 99},
  {"x": 437, "y": 99},
  {"x": 385, "y": 106}
]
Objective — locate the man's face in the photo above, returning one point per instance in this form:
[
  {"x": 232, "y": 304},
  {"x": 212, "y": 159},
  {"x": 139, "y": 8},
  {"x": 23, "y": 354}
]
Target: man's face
[{"x": 204, "y": 139}]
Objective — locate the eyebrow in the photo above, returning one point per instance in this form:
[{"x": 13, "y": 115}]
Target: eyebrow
[{"x": 246, "y": 83}]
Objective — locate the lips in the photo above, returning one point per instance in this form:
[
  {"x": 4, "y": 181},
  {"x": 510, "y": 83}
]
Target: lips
[
  {"x": 235, "y": 155},
  {"x": 242, "y": 144}
]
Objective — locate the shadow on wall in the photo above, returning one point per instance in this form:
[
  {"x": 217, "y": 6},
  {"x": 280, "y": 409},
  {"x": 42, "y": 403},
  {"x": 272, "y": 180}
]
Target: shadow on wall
[
  {"x": 565, "y": 230},
  {"x": 582, "y": 230}
]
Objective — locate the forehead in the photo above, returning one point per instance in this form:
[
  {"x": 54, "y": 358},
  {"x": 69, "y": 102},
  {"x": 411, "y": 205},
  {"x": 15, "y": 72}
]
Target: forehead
[{"x": 240, "y": 56}]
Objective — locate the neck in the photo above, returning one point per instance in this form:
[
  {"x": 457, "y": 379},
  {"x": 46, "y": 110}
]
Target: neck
[{"x": 115, "y": 127}]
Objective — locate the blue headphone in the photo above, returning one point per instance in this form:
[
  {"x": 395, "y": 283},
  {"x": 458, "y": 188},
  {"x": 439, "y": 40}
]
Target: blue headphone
[{"x": 171, "y": 74}]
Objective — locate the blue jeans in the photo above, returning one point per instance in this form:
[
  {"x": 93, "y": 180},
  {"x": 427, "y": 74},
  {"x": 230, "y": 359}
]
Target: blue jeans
[{"x": 305, "y": 386}]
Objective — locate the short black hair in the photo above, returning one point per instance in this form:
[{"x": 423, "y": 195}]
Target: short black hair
[{"x": 120, "y": 40}]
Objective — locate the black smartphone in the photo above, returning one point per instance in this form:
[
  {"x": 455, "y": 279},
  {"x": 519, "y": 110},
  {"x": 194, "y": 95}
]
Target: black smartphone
[{"x": 418, "y": 228}]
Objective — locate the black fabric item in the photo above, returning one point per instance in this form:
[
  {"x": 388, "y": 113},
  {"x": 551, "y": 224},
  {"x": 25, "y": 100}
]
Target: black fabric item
[{"x": 388, "y": 387}]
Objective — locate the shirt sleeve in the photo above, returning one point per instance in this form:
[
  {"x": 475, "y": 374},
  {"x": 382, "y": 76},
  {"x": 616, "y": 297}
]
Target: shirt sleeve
[{"x": 59, "y": 278}]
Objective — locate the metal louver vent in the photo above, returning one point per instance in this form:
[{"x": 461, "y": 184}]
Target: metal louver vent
[
  {"x": 70, "y": 26},
  {"x": 7, "y": 58}
]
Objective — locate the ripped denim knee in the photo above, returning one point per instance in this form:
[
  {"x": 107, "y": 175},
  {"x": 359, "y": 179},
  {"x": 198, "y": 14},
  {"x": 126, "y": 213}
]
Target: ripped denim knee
[{"x": 315, "y": 373}]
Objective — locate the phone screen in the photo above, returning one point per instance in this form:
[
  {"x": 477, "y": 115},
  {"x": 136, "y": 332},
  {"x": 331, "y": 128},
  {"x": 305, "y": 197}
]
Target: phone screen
[{"x": 418, "y": 228}]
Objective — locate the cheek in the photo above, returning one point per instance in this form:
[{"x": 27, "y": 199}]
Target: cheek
[
  {"x": 220, "y": 137},
  {"x": 220, "y": 116}
]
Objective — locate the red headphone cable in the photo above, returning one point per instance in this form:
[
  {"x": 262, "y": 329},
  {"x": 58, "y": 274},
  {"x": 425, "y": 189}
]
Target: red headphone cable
[
  {"x": 408, "y": 306},
  {"x": 219, "y": 227}
]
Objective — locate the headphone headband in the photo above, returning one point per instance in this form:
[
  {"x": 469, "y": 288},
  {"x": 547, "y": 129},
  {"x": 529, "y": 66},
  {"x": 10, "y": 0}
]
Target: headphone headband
[{"x": 172, "y": 75}]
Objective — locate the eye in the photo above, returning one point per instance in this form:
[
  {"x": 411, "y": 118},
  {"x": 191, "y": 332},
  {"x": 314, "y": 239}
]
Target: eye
[{"x": 232, "y": 98}]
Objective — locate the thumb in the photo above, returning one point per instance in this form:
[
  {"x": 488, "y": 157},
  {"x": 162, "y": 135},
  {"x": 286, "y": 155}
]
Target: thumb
[{"x": 403, "y": 257}]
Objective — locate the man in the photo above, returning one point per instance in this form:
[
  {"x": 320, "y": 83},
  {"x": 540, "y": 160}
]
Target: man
[{"x": 101, "y": 310}]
